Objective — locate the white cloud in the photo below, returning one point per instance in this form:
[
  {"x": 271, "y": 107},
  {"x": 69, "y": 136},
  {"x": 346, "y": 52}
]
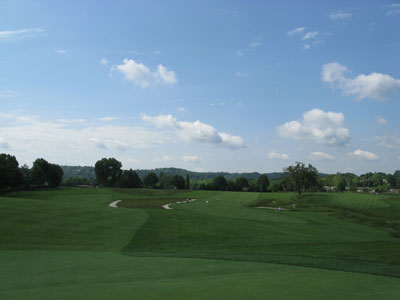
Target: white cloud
[
  {"x": 306, "y": 47},
  {"x": 239, "y": 53},
  {"x": 62, "y": 51},
  {"x": 374, "y": 85},
  {"x": 281, "y": 156},
  {"x": 164, "y": 76},
  {"x": 164, "y": 159},
  {"x": 103, "y": 61},
  {"x": 319, "y": 127},
  {"x": 255, "y": 44},
  {"x": 364, "y": 155},
  {"x": 20, "y": 33},
  {"x": 181, "y": 109},
  {"x": 240, "y": 74},
  {"x": 30, "y": 137},
  {"x": 394, "y": 9},
  {"x": 3, "y": 143},
  {"x": 195, "y": 131},
  {"x": 339, "y": 15},
  {"x": 7, "y": 94},
  {"x": 389, "y": 141},
  {"x": 157, "y": 52},
  {"x": 321, "y": 156},
  {"x": 141, "y": 75},
  {"x": 107, "y": 119},
  {"x": 381, "y": 120},
  {"x": 71, "y": 121},
  {"x": 191, "y": 159},
  {"x": 161, "y": 121},
  {"x": 310, "y": 35},
  {"x": 296, "y": 30}
]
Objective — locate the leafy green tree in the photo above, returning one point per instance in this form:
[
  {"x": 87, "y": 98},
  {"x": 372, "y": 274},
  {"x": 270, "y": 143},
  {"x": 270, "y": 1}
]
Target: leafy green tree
[
  {"x": 151, "y": 180},
  {"x": 340, "y": 182},
  {"x": 54, "y": 175},
  {"x": 179, "y": 182},
  {"x": 303, "y": 177},
  {"x": 38, "y": 173},
  {"x": 276, "y": 186},
  {"x": 241, "y": 183},
  {"x": 25, "y": 176},
  {"x": 262, "y": 183},
  {"x": 220, "y": 183},
  {"x": 187, "y": 182},
  {"x": 108, "y": 171},
  {"x": 129, "y": 179},
  {"x": 9, "y": 172},
  {"x": 231, "y": 186}
]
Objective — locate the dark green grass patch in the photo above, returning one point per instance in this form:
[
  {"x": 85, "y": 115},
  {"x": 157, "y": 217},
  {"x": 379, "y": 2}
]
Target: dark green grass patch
[{"x": 147, "y": 202}]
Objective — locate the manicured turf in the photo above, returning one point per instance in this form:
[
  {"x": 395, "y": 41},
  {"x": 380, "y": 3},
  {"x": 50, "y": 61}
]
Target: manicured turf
[{"x": 67, "y": 244}]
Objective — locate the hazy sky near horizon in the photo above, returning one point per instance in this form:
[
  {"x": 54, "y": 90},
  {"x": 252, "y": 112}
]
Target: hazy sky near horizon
[{"x": 203, "y": 85}]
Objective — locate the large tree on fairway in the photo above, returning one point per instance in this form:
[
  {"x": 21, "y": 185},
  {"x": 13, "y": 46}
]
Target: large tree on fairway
[
  {"x": 43, "y": 173},
  {"x": 38, "y": 173},
  {"x": 262, "y": 183},
  {"x": 302, "y": 176},
  {"x": 108, "y": 171},
  {"x": 241, "y": 183},
  {"x": 9, "y": 172},
  {"x": 129, "y": 179},
  {"x": 220, "y": 183},
  {"x": 150, "y": 180},
  {"x": 54, "y": 175}
]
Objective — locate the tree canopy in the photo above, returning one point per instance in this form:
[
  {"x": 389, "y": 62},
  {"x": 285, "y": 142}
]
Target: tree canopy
[
  {"x": 108, "y": 171},
  {"x": 302, "y": 177}
]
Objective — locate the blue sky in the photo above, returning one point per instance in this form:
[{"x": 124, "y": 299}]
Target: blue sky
[{"x": 202, "y": 85}]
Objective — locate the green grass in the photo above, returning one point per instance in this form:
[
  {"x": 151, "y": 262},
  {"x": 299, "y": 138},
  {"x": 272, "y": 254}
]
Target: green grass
[{"x": 67, "y": 243}]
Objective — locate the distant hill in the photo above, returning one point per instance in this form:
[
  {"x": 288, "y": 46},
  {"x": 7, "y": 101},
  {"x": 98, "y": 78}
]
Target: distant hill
[{"x": 88, "y": 172}]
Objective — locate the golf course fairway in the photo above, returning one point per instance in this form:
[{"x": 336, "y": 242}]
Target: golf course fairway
[{"x": 68, "y": 243}]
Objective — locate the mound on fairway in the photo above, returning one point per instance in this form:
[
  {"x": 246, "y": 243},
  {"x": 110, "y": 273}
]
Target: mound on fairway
[{"x": 68, "y": 243}]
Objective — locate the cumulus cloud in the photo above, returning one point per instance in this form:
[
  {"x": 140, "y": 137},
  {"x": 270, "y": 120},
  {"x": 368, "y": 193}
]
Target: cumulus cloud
[
  {"x": 140, "y": 74},
  {"x": 20, "y": 33},
  {"x": 62, "y": 51},
  {"x": 103, "y": 61},
  {"x": 321, "y": 156},
  {"x": 191, "y": 159},
  {"x": 310, "y": 35},
  {"x": 195, "y": 131},
  {"x": 339, "y": 15},
  {"x": 255, "y": 44},
  {"x": 71, "y": 121},
  {"x": 164, "y": 159},
  {"x": 374, "y": 85},
  {"x": 107, "y": 119},
  {"x": 7, "y": 94},
  {"x": 3, "y": 143},
  {"x": 381, "y": 120},
  {"x": 30, "y": 137},
  {"x": 281, "y": 156},
  {"x": 389, "y": 141},
  {"x": 240, "y": 74},
  {"x": 394, "y": 9},
  {"x": 319, "y": 127},
  {"x": 161, "y": 121},
  {"x": 364, "y": 155},
  {"x": 296, "y": 30}
]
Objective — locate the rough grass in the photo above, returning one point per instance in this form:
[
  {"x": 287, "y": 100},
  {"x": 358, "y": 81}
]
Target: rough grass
[{"x": 67, "y": 243}]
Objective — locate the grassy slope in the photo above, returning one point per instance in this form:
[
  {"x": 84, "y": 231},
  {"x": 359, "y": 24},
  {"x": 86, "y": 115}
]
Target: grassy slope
[{"x": 66, "y": 244}]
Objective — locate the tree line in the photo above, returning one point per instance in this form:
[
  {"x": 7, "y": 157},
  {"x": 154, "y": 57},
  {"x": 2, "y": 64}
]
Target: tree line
[
  {"x": 108, "y": 172},
  {"x": 42, "y": 174}
]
